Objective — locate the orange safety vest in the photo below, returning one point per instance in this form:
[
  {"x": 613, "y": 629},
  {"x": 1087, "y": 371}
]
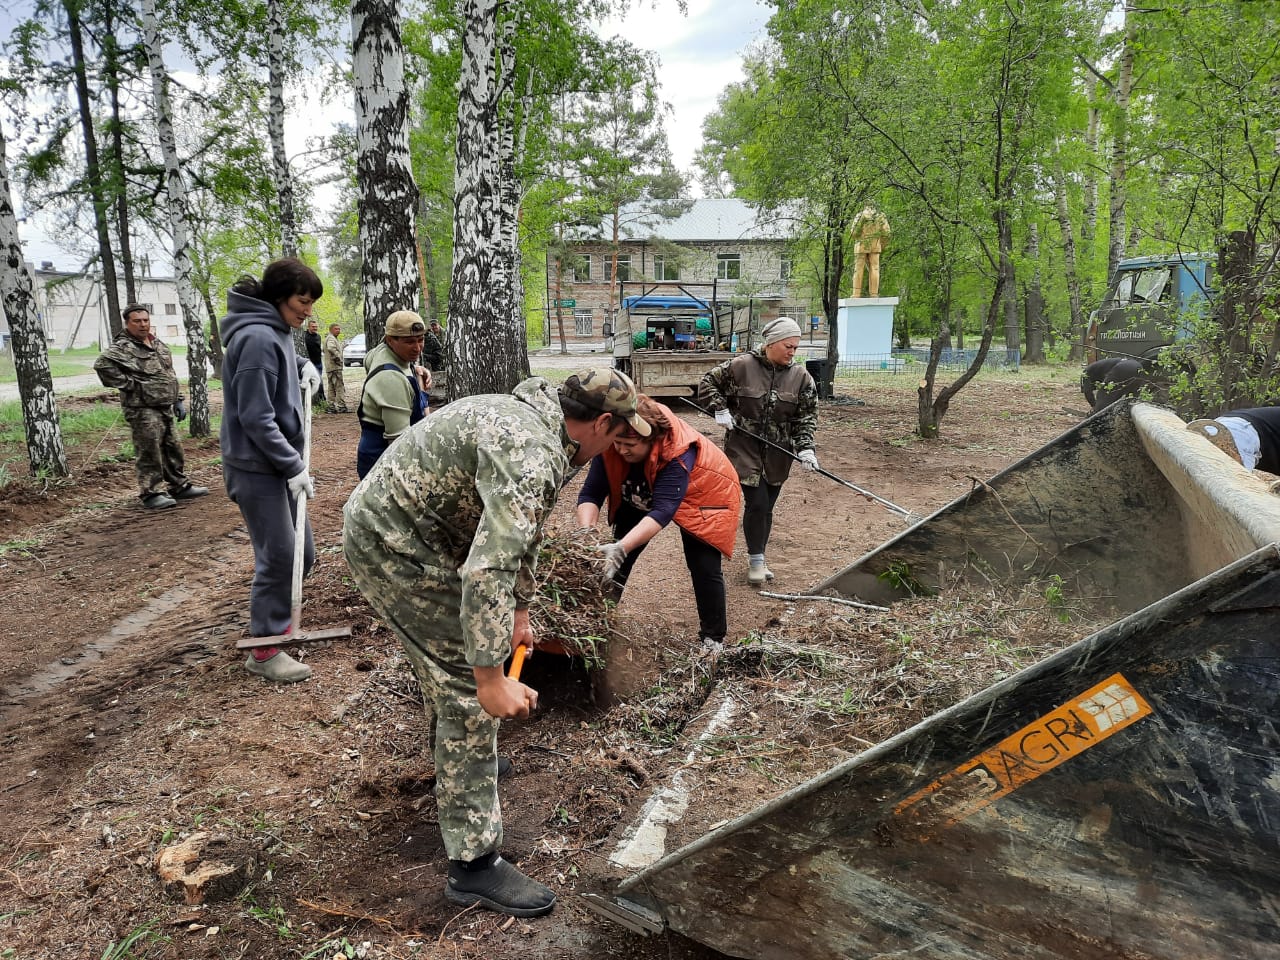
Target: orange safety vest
[{"x": 713, "y": 502}]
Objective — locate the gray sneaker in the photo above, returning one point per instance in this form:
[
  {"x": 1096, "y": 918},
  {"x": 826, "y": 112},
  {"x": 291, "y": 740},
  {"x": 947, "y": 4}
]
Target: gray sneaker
[
  {"x": 158, "y": 501},
  {"x": 281, "y": 668}
]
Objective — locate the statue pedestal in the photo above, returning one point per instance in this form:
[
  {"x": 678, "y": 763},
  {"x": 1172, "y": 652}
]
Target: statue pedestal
[{"x": 864, "y": 327}]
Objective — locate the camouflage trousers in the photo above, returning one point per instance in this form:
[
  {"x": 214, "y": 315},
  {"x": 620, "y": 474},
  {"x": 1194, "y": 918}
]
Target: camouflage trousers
[
  {"x": 160, "y": 462},
  {"x": 336, "y": 390},
  {"x": 421, "y": 603}
]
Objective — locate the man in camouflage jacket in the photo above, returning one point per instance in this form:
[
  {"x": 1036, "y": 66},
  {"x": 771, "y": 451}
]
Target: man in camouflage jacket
[
  {"x": 442, "y": 539},
  {"x": 141, "y": 367}
]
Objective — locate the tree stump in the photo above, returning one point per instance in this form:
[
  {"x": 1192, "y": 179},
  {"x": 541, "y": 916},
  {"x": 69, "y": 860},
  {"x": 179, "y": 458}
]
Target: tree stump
[{"x": 203, "y": 869}]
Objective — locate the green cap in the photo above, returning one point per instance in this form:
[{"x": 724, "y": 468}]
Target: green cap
[{"x": 609, "y": 391}]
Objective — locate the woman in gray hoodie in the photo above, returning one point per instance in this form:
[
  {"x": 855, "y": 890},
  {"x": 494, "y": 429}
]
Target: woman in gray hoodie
[{"x": 262, "y": 441}]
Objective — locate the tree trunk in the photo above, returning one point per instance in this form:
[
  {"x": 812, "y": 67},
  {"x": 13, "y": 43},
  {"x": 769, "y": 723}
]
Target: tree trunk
[
  {"x": 30, "y": 350},
  {"x": 1076, "y": 330},
  {"x": 215, "y": 338},
  {"x": 1033, "y": 300},
  {"x": 92, "y": 169},
  {"x": 120, "y": 184},
  {"x": 484, "y": 356},
  {"x": 564, "y": 343},
  {"x": 197, "y": 386},
  {"x": 388, "y": 195},
  {"x": 1120, "y": 148},
  {"x": 1012, "y": 329},
  {"x": 1089, "y": 228}
]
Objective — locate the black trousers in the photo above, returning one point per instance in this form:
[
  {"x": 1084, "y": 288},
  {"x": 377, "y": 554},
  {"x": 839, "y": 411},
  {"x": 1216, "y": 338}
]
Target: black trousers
[
  {"x": 703, "y": 561},
  {"x": 757, "y": 514}
]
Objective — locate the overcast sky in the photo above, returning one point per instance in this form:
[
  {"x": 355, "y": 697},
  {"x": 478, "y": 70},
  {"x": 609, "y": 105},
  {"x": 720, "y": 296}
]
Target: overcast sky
[{"x": 699, "y": 54}]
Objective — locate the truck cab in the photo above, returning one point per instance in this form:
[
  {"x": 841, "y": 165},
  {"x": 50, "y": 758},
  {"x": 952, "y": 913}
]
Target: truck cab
[
  {"x": 666, "y": 343},
  {"x": 1147, "y": 303},
  {"x": 1150, "y": 305}
]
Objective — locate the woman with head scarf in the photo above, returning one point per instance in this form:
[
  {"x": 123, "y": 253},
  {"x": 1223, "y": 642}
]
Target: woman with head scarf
[{"x": 757, "y": 397}]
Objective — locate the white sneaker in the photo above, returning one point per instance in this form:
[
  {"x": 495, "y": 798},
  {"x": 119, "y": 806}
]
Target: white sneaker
[
  {"x": 281, "y": 668},
  {"x": 757, "y": 573}
]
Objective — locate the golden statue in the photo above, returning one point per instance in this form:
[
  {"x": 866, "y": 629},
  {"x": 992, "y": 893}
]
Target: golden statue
[{"x": 870, "y": 230}]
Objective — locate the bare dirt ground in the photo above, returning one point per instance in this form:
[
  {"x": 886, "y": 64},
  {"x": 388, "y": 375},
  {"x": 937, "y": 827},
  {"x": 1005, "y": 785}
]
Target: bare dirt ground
[{"x": 127, "y": 722}]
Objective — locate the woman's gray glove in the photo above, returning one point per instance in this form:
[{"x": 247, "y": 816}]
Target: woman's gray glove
[
  {"x": 180, "y": 410},
  {"x": 808, "y": 459},
  {"x": 614, "y": 555},
  {"x": 301, "y": 483}
]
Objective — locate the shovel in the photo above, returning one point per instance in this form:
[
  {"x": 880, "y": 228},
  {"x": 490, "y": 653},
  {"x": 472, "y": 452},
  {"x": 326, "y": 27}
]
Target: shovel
[
  {"x": 903, "y": 512},
  {"x": 297, "y": 634}
]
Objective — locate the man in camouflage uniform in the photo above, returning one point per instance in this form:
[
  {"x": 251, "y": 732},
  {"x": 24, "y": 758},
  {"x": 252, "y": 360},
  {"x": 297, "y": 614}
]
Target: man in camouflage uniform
[
  {"x": 764, "y": 394},
  {"x": 442, "y": 539},
  {"x": 141, "y": 367},
  {"x": 335, "y": 388}
]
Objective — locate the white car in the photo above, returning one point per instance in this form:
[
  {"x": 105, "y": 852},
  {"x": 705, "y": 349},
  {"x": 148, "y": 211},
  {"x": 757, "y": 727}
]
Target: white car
[{"x": 353, "y": 352}]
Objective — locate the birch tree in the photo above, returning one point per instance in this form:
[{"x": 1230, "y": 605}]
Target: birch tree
[
  {"x": 275, "y": 124},
  {"x": 388, "y": 195},
  {"x": 30, "y": 353},
  {"x": 484, "y": 354},
  {"x": 181, "y": 233}
]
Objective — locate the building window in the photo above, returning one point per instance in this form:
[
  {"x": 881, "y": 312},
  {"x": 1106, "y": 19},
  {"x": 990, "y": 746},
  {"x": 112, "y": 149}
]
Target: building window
[
  {"x": 172, "y": 331},
  {"x": 784, "y": 268},
  {"x": 582, "y": 323},
  {"x": 728, "y": 266},
  {"x": 171, "y": 309},
  {"x": 624, "y": 267},
  {"x": 580, "y": 270},
  {"x": 665, "y": 268}
]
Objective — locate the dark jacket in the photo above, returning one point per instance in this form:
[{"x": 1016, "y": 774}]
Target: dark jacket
[
  {"x": 143, "y": 372},
  {"x": 777, "y": 403},
  {"x": 315, "y": 352},
  {"x": 261, "y": 402},
  {"x": 1265, "y": 420}
]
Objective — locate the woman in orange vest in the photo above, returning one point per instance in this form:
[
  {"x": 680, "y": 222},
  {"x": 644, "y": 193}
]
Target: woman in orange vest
[{"x": 673, "y": 474}]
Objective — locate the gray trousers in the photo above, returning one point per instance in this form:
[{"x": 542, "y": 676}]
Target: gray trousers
[{"x": 269, "y": 513}]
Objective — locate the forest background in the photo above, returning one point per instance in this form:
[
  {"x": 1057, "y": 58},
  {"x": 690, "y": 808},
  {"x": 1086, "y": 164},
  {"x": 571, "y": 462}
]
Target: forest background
[{"x": 1020, "y": 148}]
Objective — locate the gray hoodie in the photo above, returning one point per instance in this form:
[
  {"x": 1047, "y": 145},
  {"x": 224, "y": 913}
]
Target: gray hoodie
[{"x": 262, "y": 403}]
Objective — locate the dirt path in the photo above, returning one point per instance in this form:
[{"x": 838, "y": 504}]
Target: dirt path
[{"x": 127, "y": 721}]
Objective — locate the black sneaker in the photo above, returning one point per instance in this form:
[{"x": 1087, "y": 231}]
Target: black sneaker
[
  {"x": 190, "y": 492},
  {"x": 504, "y": 768},
  {"x": 499, "y": 887},
  {"x": 158, "y": 501}
]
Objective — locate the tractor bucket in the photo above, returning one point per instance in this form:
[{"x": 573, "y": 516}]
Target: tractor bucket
[
  {"x": 1125, "y": 508},
  {"x": 1120, "y": 799}
]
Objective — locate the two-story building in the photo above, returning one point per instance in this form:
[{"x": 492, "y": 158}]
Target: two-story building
[
  {"x": 713, "y": 247},
  {"x": 72, "y": 307}
]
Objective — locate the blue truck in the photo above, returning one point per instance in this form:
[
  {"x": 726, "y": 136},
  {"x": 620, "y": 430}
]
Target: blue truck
[{"x": 1151, "y": 305}]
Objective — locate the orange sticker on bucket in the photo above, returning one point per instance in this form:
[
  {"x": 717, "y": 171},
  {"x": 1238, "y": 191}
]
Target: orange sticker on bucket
[{"x": 1052, "y": 740}]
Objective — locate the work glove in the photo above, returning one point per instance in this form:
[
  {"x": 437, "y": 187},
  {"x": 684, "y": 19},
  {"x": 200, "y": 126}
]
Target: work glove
[
  {"x": 614, "y": 554},
  {"x": 301, "y": 483},
  {"x": 724, "y": 418},
  {"x": 180, "y": 410},
  {"x": 309, "y": 376},
  {"x": 809, "y": 459}
]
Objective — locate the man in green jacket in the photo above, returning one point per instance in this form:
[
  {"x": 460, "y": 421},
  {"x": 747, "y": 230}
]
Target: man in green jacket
[
  {"x": 442, "y": 540},
  {"x": 395, "y": 388},
  {"x": 141, "y": 367}
]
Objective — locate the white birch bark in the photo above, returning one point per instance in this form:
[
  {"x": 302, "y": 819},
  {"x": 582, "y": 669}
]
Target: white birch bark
[
  {"x": 45, "y": 451},
  {"x": 483, "y": 357},
  {"x": 388, "y": 194},
  {"x": 275, "y": 126},
  {"x": 1072, "y": 277},
  {"x": 1120, "y": 148},
  {"x": 197, "y": 385}
]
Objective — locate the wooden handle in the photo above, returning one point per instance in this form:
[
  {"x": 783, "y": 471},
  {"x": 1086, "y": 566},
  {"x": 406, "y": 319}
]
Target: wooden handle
[{"x": 517, "y": 662}]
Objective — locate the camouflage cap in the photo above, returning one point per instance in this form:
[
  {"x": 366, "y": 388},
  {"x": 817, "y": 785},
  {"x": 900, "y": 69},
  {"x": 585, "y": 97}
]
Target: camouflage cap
[
  {"x": 405, "y": 323},
  {"x": 609, "y": 391}
]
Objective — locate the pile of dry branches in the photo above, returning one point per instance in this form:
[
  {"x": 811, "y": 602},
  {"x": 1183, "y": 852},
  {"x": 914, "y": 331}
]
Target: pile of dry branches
[{"x": 571, "y": 605}]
